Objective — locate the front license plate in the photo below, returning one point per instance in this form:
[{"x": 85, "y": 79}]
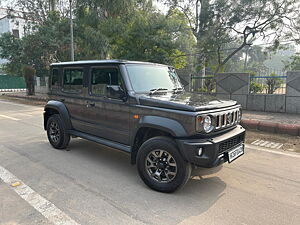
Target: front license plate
[{"x": 235, "y": 153}]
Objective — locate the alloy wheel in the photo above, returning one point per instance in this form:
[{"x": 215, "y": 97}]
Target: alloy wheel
[
  {"x": 54, "y": 131},
  {"x": 161, "y": 166}
]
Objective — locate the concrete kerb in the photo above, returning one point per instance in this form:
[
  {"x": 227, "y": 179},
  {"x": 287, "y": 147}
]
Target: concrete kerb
[
  {"x": 32, "y": 97},
  {"x": 290, "y": 129}
]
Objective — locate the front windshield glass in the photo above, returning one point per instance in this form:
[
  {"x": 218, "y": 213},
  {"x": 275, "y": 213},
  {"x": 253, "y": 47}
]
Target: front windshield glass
[{"x": 145, "y": 78}]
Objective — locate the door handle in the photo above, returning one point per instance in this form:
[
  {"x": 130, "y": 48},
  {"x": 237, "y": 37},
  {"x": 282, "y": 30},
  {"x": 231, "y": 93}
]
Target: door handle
[
  {"x": 90, "y": 104},
  {"x": 62, "y": 99}
]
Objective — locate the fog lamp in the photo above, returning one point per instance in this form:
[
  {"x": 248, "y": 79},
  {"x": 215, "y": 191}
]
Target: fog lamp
[{"x": 199, "y": 152}]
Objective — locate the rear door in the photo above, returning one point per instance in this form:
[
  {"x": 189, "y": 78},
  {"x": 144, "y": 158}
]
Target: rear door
[{"x": 73, "y": 93}]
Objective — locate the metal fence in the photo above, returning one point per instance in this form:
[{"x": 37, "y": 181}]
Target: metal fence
[
  {"x": 8, "y": 82},
  {"x": 271, "y": 84},
  {"x": 206, "y": 84}
]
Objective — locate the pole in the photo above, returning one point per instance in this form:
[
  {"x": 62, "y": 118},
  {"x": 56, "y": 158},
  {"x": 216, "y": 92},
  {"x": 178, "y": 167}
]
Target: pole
[
  {"x": 246, "y": 58},
  {"x": 71, "y": 32},
  {"x": 52, "y": 5}
]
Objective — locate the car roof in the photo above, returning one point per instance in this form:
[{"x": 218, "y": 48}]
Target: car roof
[{"x": 106, "y": 61}]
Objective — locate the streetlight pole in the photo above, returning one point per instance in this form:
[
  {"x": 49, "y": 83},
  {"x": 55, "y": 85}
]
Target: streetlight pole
[{"x": 71, "y": 32}]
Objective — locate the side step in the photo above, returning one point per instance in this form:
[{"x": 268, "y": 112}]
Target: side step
[{"x": 102, "y": 141}]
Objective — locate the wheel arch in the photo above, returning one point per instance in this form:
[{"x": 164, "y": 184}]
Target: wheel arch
[
  {"x": 57, "y": 107},
  {"x": 152, "y": 126}
]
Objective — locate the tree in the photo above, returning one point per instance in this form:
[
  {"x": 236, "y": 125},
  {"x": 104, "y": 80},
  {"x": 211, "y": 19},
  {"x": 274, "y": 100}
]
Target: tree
[
  {"x": 294, "y": 63},
  {"x": 103, "y": 29},
  {"x": 11, "y": 48},
  {"x": 273, "y": 83},
  {"x": 36, "y": 12},
  {"x": 49, "y": 43},
  {"x": 131, "y": 30},
  {"x": 216, "y": 23},
  {"x": 155, "y": 37},
  {"x": 256, "y": 87},
  {"x": 29, "y": 74}
]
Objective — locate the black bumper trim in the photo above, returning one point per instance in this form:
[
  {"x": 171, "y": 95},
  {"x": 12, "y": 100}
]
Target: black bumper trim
[{"x": 210, "y": 156}]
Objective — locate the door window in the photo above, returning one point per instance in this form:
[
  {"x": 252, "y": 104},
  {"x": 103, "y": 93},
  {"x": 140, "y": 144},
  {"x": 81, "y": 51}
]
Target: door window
[
  {"x": 103, "y": 77},
  {"x": 73, "y": 80},
  {"x": 54, "y": 78}
]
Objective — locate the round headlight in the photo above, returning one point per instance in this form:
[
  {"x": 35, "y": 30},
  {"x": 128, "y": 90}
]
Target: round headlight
[
  {"x": 207, "y": 124},
  {"x": 239, "y": 115}
]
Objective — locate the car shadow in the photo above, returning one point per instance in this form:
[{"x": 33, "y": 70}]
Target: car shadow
[
  {"x": 202, "y": 191},
  {"x": 108, "y": 175}
]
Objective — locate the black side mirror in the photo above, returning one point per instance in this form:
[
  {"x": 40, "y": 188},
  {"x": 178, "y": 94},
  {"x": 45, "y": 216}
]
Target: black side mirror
[{"x": 115, "y": 91}]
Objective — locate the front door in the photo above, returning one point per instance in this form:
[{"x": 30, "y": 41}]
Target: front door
[{"x": 107, "y": 117}]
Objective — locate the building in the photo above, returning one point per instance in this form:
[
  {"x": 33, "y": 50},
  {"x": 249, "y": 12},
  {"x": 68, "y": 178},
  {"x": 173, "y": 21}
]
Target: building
[{"x": 14, "y": 24}]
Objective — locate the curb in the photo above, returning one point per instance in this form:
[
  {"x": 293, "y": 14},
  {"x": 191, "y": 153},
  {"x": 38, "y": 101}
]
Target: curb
[
  {"x": 279, "y": 128},
  {"x": 34, "y": 98}
]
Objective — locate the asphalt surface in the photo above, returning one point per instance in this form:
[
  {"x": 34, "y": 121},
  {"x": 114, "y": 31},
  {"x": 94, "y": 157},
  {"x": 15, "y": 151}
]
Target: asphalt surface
[{"x": 93, "y": 184}]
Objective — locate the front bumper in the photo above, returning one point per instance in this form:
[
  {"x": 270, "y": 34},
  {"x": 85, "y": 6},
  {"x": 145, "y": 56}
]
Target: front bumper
[{"x": 214, "y": 149}]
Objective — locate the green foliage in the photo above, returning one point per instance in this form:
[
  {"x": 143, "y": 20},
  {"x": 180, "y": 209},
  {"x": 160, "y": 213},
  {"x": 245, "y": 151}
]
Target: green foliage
[
  {"x": 122, "y": 29},
  {"x": 154, "y": 37},
  {"x": 49, "y": 43},
  {"x": 214, "y": 34},
  {"x": 256, "y": 87},
  {"x": 218, "y": 23},
  {"x": 11, "y": 48},
  {"x": 273, "y": 83},
  {"x": 208, "y": 84},
  {"x": 294, "y": 64}
]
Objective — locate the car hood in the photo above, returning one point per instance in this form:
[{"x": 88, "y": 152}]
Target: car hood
[{"x": 184, "y": 101}]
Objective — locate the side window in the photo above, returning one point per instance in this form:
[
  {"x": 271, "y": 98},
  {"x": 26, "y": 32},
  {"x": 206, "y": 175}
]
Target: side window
[
  {"x": 54, "y": 78},
  {"x": 73, "y": 80},
  {"x": 103, "y": 77}
]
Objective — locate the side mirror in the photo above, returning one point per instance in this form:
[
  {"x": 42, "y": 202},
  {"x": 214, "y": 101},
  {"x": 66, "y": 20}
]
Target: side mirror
[{"x": 115, "y": 91}]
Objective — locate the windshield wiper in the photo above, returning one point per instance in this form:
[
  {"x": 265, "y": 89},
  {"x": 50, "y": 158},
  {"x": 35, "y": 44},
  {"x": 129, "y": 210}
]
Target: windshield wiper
[
  {"x": 178, "y": 90},
  {"x": 153, "y": 91}
]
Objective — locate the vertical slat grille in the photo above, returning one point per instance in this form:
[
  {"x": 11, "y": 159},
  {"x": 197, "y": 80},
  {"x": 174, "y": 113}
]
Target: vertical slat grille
[{"x": 225, "y": 119}]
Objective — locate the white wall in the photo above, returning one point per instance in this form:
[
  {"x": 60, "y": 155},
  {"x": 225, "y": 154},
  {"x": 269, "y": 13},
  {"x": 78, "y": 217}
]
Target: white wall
[{"x": 4, "y": 25}]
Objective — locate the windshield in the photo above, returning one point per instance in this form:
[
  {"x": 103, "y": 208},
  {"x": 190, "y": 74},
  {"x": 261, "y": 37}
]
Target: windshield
[{"x": 145, "y": 78}]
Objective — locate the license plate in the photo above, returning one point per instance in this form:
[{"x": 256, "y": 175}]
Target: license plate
[{"x": 235, "y": 153}]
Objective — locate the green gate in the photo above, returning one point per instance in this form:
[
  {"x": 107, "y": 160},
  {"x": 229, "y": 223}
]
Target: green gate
[{"x": 12, "y": 82}]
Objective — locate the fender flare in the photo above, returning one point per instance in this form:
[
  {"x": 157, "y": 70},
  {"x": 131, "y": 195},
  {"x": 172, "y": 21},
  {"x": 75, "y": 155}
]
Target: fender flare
[
  {"x": 170, "y": 126},
  {"x": 61, "y": 109},
  {"x": 162, "y": 123}
]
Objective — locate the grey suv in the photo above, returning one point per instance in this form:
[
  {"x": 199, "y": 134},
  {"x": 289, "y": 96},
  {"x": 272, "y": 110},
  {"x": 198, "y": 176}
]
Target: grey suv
[{"x": 141, "y": 108}]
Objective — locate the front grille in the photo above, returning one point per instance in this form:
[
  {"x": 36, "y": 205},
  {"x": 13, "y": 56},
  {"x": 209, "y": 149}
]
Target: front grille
[
  {"x": 227, "y": 119},
  {"x": 228, "y": 144}
]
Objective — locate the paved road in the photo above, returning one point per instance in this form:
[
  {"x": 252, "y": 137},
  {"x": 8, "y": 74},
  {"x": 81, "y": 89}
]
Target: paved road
[{"x": 92, "y": 184}]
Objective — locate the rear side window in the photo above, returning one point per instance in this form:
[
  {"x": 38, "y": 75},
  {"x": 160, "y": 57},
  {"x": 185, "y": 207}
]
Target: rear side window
[
  {"x": 73, "y": 80},
  {"x": 54, "y": 78},
  {"x": 103, "y": 77}
]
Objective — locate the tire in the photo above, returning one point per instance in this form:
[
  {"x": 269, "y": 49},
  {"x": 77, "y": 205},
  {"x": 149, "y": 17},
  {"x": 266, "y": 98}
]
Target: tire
[
  {"x": 160, "y": 155},
  {"x": 56, "y": 132}
]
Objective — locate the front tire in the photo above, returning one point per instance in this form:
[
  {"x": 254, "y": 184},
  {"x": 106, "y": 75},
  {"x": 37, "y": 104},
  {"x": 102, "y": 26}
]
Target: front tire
[
  {"x": 56, "y": 132},
  {"x": 161, "y": 166}
]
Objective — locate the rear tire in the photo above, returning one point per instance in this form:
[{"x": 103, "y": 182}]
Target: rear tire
[
  {"x": 56, "y": 132},
  {"x": 161, "y": 166}
]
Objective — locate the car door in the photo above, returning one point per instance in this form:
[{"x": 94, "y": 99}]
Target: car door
[
  {"x": 107, "y": 117},
  {"x": 72, "y": 95}
]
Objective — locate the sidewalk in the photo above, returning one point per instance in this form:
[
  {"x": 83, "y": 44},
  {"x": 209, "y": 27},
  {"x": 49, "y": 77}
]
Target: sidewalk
[{"x": 281, "y": 123}]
